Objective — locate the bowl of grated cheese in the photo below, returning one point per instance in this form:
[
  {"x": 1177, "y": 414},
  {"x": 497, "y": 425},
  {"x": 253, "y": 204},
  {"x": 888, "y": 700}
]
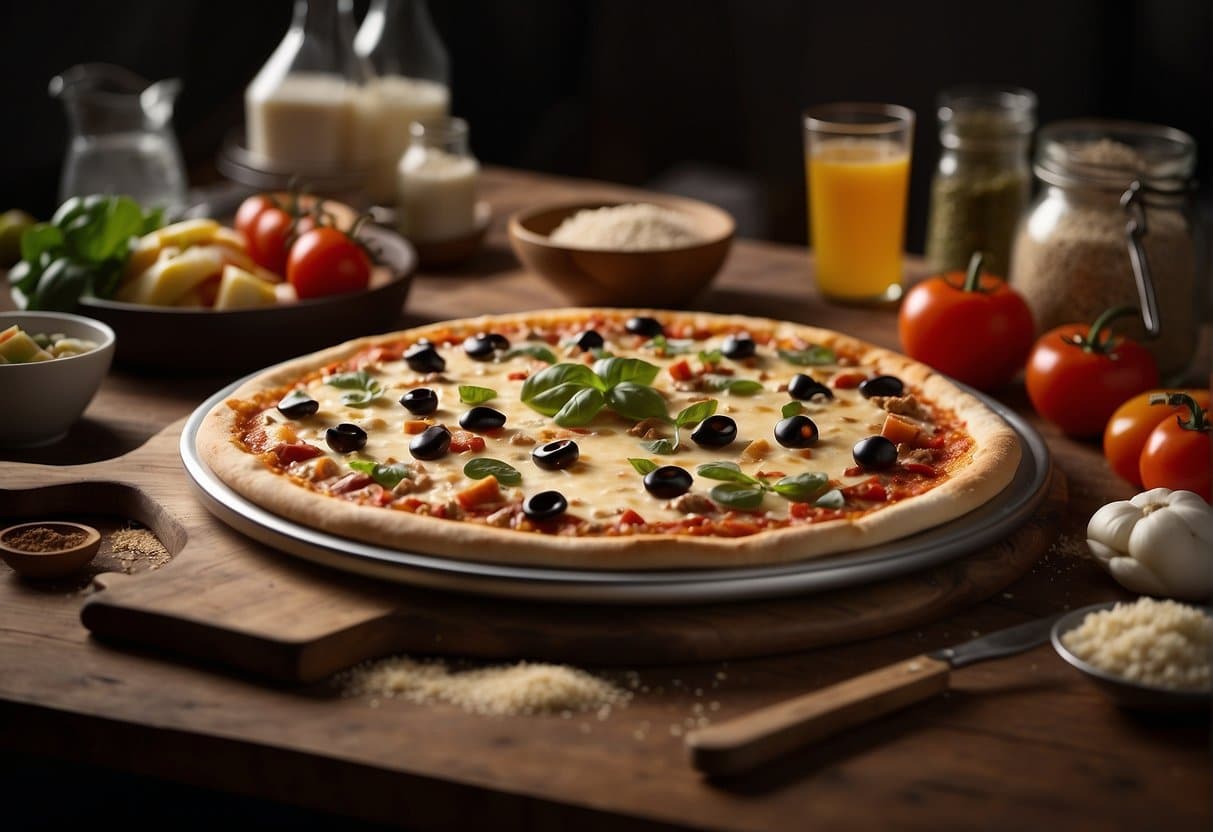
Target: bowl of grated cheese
[
  {"x": 1153, "y": 655},
  {"x": 660, "y": 252}
]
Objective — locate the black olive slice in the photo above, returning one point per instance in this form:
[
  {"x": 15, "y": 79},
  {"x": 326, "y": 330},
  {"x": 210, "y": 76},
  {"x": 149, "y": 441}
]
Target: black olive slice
[
  {"x": 874, "y": 452},
  {"x": 545, "y": 505},
  {"x": 589, "y": 340},
  {"x": 484, "y": 345},
  {"x": 420, "y": 401},
  {"x": 431, "y": 443},
  {"x": 345, "y": 438},
  {"x": 806, "y": 387},
  {"x": 796, "y": 432},
  {"x": 561, "y": 453},
  {"x": 881, "y": 386},
  {"x": 482, "y": 418},
  {"x": 715, "y": 432},
  {"x": 423, "y": 357},
  {"x": 297, "y": 404},
  {"x": 667, "y": 482},
  {"x": 738, "y": 347},
  {"x": 648, "y": 327}
]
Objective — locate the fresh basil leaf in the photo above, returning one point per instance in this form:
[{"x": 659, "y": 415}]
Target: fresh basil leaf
[
  {"x": 809, "y": 357},
  {"x": 362, "y": 388},
  {"x": 106, "y": 278},
  {"x": 548, "y": 378},
  {"x": 728, "y": 471},
  {"x": 831, "y": 499},
  {"x": 736, "y": 386},
  {"x": 389, "y": 476},
  {"x": 470, "y": 394},
  {"x": 549, "y": 402},
  {"x": 39, "y": 238},
  {"x": 660, "y": 446},
  {"x": 791, "y": 409},
  {"x": 737, "y": 495},
  {"x": 581, "y": 408},
  {"x": 60, "y": 286},
  {"x": 711, "y": 356},
  {"x": 360, "y": 380},
  {"x": 532, "y": 351},
  {"x": 600, "y": 353},
  {"x": 24, "y": 277},
  {"x": 613, "y": 371},
  {"x": 643, "y": 466},
  {"x": 801, "y": 488},
  {"x": 152, "y": 220},
  {"x": 696, "y": 413},
  {"x": 635, "y": 401},
  {"x": 110, "y": 234},
  {"x": 482, "y": 466},
  {"x": 665, "y": 346}
]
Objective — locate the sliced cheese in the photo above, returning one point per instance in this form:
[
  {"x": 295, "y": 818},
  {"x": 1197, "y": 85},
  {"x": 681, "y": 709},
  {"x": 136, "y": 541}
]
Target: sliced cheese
[
  {"x": 171, "y": 277},
  {"x": 241, "y": 290}
]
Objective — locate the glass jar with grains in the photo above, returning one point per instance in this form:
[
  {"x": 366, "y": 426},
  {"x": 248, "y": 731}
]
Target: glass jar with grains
[
  {"x": 983, "y": 181},
  {"x": 1110, "y": 189}
]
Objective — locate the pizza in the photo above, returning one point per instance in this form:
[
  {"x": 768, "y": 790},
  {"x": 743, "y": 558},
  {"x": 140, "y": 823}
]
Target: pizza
[{"x": 611, "y": 439}]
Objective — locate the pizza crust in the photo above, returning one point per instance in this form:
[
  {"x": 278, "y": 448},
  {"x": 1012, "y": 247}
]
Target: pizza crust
[{"x": 991, "y": 468}]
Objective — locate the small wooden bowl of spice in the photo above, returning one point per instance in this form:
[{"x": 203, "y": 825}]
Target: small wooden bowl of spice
[{"x": 49, "y": 549}]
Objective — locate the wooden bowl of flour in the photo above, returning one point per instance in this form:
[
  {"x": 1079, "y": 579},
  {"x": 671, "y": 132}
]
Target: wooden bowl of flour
[{"x": 650, "y": 277}]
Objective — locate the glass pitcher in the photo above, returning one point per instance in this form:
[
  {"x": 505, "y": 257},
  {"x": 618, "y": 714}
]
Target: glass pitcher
[{"x": 121, "y": 139}]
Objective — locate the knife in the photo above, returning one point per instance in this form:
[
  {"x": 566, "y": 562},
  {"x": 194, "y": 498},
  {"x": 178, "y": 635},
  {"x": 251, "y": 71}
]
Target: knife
[{"x": 741, "y": 744}]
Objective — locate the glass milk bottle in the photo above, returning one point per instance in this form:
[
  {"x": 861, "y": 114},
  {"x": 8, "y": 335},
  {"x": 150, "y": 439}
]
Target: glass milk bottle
[
  {"x": 436, "y": 199},
  {"x": 411, "y": 82},
  {"x": 303, "y": 107}
]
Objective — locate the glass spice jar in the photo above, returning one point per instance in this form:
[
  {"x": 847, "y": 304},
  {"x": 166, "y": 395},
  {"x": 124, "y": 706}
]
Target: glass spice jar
[
  {"x": 436, "y": 183},
  {"x": 983, "y": 181},
  {"x": 1113, "y": 225}
]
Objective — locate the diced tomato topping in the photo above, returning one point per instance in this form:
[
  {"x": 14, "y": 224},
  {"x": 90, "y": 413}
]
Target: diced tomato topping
[
  {"x": 518, "y": 375},
  {"x": 871, "y": 490},
  {"x": 799, "y": 510},
  {"x": 898, "y": 430},
  {"x": 733, "y": 526},
  {"x": 352, "y": 481},
  {"x": 807, "y": 453},
  {"x": 413, "y": 426},
  {"x": 935, "y": 442},
  {"x": 482, "y": 491},
  {"x": 770, "y": 475},
  {"x": 630, "y": 518},
  {"x": 681, "y": 371},
  {"x": 853, "y": 471},
  {"x": 847, "y": 381},
  {"x": 920, "y": 468},
  {"x": 289, "y": 452},
  {"x": 462, "y": 440}
]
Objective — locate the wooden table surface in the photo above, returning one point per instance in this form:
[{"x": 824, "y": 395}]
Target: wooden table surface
[{"x": 1019, "y": 743}]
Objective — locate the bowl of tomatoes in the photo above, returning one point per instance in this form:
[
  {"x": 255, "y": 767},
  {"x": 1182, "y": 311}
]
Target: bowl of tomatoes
[{"x": 304, "y": 273}]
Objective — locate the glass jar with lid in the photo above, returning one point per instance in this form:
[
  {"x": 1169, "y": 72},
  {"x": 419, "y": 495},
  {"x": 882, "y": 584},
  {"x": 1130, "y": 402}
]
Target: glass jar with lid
[
  {"x": 983, "y": 181},
  {"x": 411, "y": 82},
  {"x": 303, "y": 109},
  {"x": 436, "y": 200},
  {"x": 1113, "y": 226}
]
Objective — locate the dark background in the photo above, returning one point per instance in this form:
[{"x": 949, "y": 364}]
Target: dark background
[{"x": 697, "y": 96}]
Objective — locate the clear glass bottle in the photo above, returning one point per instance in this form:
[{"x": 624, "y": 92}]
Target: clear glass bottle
[
  {"x": 122, "y": 138},
  {"x": 436, "y": 200},
  {"x": 1074, "y": 250},
  {"x": 411, "y": 81},
  {"x": 303, "y": 109},
  {"x": 983, "y": 182}
]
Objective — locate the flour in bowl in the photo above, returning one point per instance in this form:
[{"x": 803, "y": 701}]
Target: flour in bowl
[{"x": 634, "y": 227}]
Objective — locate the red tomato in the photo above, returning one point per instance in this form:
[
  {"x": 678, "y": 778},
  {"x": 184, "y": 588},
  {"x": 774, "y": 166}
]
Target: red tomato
[
  {"x": 978, "y": 331},
  {"x": 249, "y": 211},
  {"x": 325, "y": 261},
  {"x": 269, "y": 242},
  {"x": 1176, "y": 455},
  {"x": 1077, "y": 376},
  {"x": 1130, "y": 426}
]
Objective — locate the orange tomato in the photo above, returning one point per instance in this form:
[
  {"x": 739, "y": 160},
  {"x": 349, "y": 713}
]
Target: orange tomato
[{"x": 1125, "y": 436}]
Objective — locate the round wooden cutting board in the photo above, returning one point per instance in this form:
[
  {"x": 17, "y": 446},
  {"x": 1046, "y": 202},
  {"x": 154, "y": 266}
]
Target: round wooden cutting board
[{"x": 229, "y": 599}]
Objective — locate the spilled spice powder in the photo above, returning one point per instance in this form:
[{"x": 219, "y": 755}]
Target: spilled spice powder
[
  {"x": 135, "y": 545},
  {"x": 43, "y": 539}
]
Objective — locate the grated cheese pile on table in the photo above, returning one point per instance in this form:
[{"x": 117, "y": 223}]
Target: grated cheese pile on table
[
  {"x": 637, "y": 227},
  {"x": 1159, "y": 643},
  {"x": 520, "y": 689}
]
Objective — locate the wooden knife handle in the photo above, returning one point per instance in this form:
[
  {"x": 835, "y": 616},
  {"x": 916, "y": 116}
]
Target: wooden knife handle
[{"x": 748, "y": 741}]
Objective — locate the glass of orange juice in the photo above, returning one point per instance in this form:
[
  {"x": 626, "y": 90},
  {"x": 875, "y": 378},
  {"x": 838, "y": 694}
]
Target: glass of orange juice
[{"x": 857, "y": 162}]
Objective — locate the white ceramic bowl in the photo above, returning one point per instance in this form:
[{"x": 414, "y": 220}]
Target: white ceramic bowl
[{"x": 40, "y": 401}]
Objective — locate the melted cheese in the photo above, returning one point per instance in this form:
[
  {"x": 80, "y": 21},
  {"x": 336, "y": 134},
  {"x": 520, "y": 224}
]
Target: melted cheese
[{"x": 602, "y": 483}]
